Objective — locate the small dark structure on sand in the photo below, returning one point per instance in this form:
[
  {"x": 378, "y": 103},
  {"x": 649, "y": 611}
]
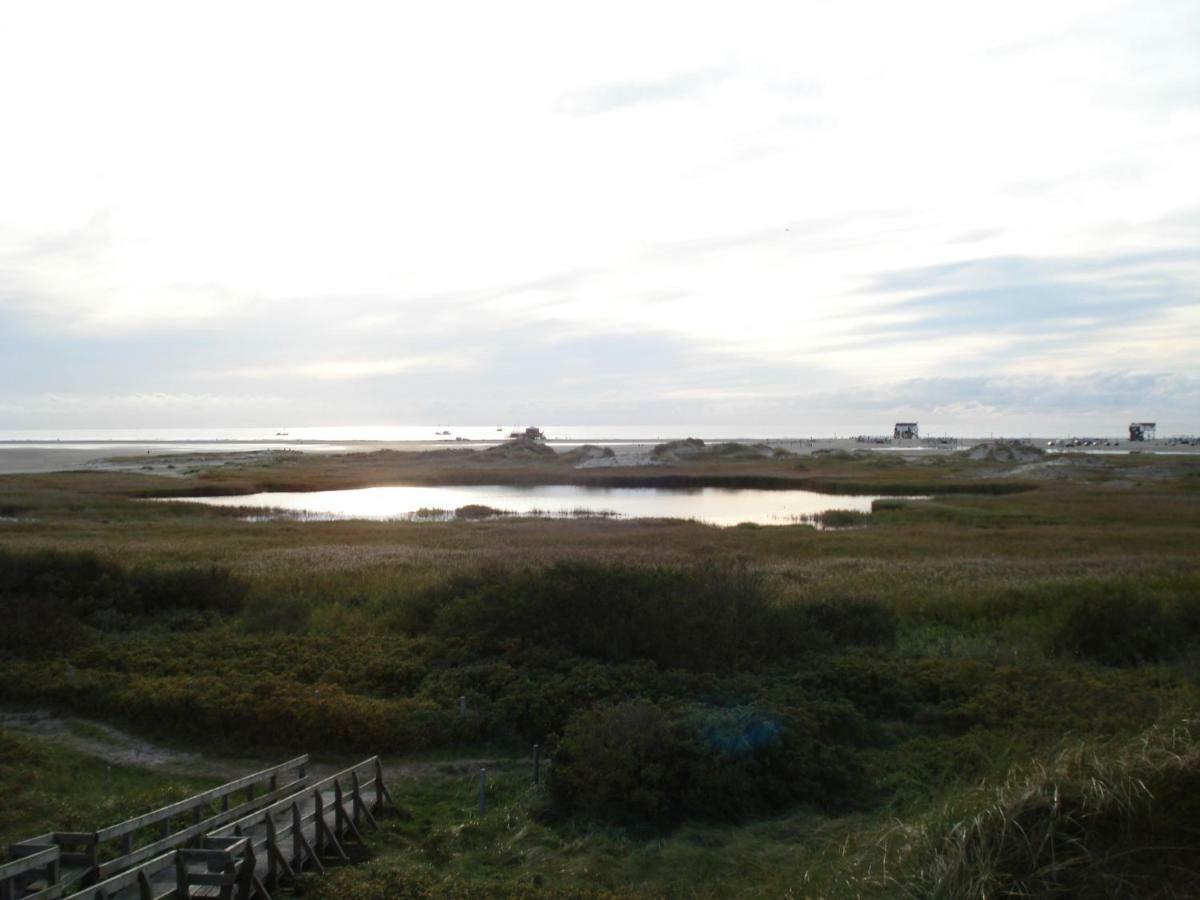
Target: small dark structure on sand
[
  {"x": 905, "y": 431},
  {"x": 531, "y": 434},
  {"x": 1141, "y": 431}
]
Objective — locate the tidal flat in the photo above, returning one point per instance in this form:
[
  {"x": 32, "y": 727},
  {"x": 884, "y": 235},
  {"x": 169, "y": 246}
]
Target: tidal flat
[{"x": 726, "y": 712}]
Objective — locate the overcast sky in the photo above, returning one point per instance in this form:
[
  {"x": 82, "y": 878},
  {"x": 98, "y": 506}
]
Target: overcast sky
[{"x": 984, "y": 216}]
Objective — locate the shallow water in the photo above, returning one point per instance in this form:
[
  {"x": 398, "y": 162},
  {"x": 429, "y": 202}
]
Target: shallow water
[{"x": 715, "y": 506}]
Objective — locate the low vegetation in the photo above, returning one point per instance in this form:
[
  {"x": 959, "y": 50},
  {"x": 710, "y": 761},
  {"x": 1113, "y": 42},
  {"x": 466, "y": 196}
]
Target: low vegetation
[{"x": 980, "y": 694}]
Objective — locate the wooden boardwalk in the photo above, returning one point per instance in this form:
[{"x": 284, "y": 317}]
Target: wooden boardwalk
[{"x": 209, "y": 845}]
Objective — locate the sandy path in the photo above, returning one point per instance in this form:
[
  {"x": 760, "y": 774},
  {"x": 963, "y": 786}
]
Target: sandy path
[{"x": 101, "y": 741}]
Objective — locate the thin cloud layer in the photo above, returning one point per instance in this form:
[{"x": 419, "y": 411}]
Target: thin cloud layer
[{"x": 823, "y": 216}]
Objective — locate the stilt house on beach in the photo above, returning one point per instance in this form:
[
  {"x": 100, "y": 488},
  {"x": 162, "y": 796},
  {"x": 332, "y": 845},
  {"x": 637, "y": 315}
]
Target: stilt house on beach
[
  {"x": 905, "y": 431},
  {"x": 1141, "y": 431}
]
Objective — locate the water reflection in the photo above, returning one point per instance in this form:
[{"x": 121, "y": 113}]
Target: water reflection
[{"x": 716, "y": 506}]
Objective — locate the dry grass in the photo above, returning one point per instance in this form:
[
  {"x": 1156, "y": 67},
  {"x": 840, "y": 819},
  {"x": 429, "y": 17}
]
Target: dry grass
[{"x": 1102, "y": 819}]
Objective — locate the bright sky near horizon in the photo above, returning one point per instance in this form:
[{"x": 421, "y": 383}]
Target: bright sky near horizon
[{"x": 978, "y": 215}]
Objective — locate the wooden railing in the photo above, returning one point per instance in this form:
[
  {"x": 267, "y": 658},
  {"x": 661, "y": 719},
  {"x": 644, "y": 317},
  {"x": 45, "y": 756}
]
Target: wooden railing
[
  {"x": 79, "y": 852},
  {"x": 361, "y": 785},
  {"x": 227, "y": 865},
  {"x": 242, "y": 851},
  {"x": 39, "y": 866}
]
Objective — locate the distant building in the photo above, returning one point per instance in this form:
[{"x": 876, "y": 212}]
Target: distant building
[
  {"x": 531, "y": 433},
  {"x": 905, "y": 431},
  {"x": 1141, "y": 431}
]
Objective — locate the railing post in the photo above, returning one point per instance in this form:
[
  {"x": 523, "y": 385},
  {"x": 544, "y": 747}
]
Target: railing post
[
  {"x": 378, "y": 785},
  {"x": 339, "y": 814},
  {"x": 181, "y": 876},
  {"x": 356, "y": 798},
  {"x": 381, "y": 791},
  {"x": 272, "y": 851},
  {"x": 93, "y": 854},
  {"x": 319, "y": 824},
  {"x": 145, "y": 886},
  {"x": 297, "y": 838},
  {"x": 246, "y": 876}
]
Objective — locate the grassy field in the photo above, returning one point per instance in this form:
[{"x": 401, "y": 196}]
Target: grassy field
[{"x": 988, "y": 693}]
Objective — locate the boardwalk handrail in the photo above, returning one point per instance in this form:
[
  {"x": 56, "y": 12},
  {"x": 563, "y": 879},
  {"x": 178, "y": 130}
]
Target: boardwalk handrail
[
  {"x": 196, "y": 830},
  {"x": 86, "y": 865},
  {"x": 112, "y": 832},
  {"x": 329, "y": 810},
  {"x": 142, "y": 875},
  {"x": 324, "y": 836},
  {"x": 13, "y": 874},
  {"x": 254, "y": 817}
]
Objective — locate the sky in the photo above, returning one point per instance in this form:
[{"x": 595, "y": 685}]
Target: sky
[{"x": 830, "y": 216}]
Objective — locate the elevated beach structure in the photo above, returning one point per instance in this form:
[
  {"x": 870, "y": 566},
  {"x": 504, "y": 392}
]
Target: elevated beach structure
[
  {"x": 1142, "y": 431},
  {"x": 906, "y": 431}
]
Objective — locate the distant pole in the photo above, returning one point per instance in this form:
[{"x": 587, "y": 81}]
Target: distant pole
[
  {"x": 537, "y": 754},
  {"x": 108, "y": 780},
  {"x": 482, "y": 791},
  {"x": 462, "y": 705}
]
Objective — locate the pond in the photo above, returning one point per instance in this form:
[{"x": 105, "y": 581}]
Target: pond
[{"x": 714, "y": 506}]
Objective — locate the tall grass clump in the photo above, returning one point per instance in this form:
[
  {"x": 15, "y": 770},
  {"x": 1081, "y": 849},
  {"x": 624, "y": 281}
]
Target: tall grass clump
[
  {"x": 1117, "y": 625},
  {"x": 1102, "y": 819}
]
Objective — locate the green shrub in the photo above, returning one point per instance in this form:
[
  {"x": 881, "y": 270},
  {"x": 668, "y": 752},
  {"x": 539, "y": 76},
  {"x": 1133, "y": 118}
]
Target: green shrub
[
  {"x": 842, "y": 518},
  {"x": 716, "y": 618},
  {"x": 37, "y": 627},
  {"x": 639, "y": 762},
  {"x": 86, "y": 584},
  {"x": 853, "y": 623},
  {"x": 719, "y": 617},
  {"x": 277, "y": 614},
  {"x": 1116, "y": 626}
]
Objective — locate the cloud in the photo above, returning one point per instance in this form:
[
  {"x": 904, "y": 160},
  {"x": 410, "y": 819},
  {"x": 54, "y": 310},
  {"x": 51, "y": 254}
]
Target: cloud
[
  {"x": 605, "y": 98},
  {"x": 1053, "y": 300},
  {"x": 348, "y": 369}
]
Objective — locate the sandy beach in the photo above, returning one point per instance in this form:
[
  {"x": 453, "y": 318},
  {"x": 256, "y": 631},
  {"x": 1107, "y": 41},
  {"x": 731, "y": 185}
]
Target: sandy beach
[{"x": 179, "y": 458}]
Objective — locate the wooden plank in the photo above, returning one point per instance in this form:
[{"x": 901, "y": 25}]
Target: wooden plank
[
  {"x": 285, "y": 803},
  {"x": 176, "y": 859},
  {"x": 223, "y": 791},
  {"x": 38, "y": 859},
  {"x": 111, "y": 867}
]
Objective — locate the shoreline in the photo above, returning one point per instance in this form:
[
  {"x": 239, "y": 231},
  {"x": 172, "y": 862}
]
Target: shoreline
[{"x": 162, "y": 457}]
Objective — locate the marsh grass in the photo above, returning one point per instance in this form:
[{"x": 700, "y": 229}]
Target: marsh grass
[
  {"x": 50, "y": 787},
  {"x": 950, "y": 644},
  {"x": 1113, "y": 818}
]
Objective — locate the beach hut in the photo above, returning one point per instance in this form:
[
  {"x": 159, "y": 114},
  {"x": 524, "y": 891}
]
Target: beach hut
[
  {"x": 1141, "y": 431},
  {"x": 905, "y": 431}
]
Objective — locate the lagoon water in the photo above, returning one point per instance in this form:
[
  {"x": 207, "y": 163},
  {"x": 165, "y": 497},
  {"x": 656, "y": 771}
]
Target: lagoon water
[{"x": 715, "y": 506}]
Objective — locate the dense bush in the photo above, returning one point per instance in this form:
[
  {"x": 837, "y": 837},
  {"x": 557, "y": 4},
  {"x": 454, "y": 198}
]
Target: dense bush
[
  {"x": 852, "y": 623},
  {"x": 719, "y": 617},
  {"x": 1115, "y": 625},
  {"x": 38, "y": 627},
  {"x": 642, "y": 762},
  {"x": 85, "y": 586}
]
